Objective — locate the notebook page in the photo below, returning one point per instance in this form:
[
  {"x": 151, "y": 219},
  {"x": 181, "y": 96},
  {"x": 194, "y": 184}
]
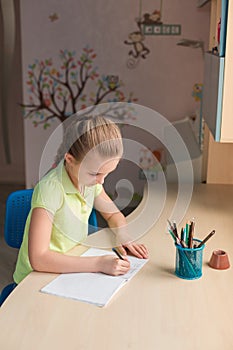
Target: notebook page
[
  {"x": 135, "y": 263},
  {"x": 94, "y": 288}
]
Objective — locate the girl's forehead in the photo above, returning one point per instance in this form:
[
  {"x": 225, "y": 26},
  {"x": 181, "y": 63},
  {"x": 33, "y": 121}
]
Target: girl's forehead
[
  {"x": 95, "y": 162},
  {"x": 94, "y": 156}
]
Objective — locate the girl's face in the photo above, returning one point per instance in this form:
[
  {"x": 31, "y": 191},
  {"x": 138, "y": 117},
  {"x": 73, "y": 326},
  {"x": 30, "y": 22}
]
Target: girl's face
[{"x": 92, "y": 170}]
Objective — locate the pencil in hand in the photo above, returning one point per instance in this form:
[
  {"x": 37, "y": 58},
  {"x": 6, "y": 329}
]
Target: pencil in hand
[{"x": 118, "y": 254}]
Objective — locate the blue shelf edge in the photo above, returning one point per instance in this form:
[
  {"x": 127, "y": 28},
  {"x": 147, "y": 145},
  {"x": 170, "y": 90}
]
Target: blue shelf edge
[{"x": 220, "y": 100}]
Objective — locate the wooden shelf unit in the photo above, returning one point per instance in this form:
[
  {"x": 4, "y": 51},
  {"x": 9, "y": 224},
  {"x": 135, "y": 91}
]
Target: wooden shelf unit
[{"x": 217, "y": 156}]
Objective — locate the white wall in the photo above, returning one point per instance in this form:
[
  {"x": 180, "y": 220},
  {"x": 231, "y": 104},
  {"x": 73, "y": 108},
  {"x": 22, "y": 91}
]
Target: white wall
[{"x": 163, "y": 81}]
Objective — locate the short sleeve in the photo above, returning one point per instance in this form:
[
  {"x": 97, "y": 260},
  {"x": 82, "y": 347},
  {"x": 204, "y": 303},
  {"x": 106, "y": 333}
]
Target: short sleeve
[
  {"x": 48, "y": 195},
  {"x": 98, "y": 189}
]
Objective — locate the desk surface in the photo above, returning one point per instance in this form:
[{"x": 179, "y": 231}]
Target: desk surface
[{"x": 155, "y": 310}]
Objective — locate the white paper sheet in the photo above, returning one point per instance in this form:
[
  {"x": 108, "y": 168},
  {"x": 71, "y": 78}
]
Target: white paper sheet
[{"x": 94, "y": 288}]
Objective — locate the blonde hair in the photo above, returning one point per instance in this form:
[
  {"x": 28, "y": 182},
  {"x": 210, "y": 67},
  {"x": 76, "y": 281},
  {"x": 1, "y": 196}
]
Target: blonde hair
[{"x": 91, "y": 132}]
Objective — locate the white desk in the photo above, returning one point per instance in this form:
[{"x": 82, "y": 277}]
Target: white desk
[{"x": 155, "y": 310}]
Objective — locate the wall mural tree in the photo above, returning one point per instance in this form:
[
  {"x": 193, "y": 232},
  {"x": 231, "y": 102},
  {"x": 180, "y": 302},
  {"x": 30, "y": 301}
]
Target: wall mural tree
[{"x": 59, "y": 93}]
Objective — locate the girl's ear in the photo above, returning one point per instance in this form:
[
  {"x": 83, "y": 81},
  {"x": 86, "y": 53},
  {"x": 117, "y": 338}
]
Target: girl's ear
[{"x": 69, "y": 158}]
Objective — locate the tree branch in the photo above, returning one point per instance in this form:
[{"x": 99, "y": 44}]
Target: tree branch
[{"x": 45, "y": 120}]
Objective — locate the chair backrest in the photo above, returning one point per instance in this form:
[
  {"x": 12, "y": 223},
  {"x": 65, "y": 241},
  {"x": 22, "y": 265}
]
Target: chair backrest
[
  {"x": 92, "y": 222},
  {"x": 17, "y": 209}
]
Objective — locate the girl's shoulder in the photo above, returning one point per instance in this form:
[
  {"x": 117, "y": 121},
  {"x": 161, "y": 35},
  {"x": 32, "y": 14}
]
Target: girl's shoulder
[
  {"x": 48, "y": 192},
  {"x": 50, "y": 182}
]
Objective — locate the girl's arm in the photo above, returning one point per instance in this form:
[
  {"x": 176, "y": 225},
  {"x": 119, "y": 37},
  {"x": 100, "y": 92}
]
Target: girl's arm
[
  {"x": 117, "y": 222},
  {"x": 45, "y": 260}
]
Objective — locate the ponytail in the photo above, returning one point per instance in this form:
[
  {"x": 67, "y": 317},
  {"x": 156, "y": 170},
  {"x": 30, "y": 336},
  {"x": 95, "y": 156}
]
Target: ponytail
[{"x": 90, "y": 132}]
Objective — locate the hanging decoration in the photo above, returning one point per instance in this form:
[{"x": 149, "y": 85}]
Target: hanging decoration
[
  {"x": 147, "y": 24},
  {"x": 136, "y": 41},
  {"x": 53, "y": 17},
  {"x": 150, "y": 163}
]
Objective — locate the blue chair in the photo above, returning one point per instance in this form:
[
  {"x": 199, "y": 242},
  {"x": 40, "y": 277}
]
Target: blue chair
[
  {"x": 18, "y": 205},
  {"x": 92, "y": 222}
]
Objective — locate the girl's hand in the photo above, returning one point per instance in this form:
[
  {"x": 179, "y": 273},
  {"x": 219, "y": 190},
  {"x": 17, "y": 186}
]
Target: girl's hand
[
  {"x": 111, "y": 265},
  {"x": 124, "y": 241},
  {"x": 138, "y": 250}
]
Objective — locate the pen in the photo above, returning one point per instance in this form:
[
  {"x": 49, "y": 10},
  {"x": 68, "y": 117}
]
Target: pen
[
  {"x": 117, "y": 253},
  {"x": 182, "y": 238},
  {"x": 190, "y": 241},
  {"x": 176, "y": 239},
  {"x": 173, "y": 236},
  {"x": 206, "y": 238},
  {"x": 175, "y": 228},
  {"x": 182, "y": 235},
  {"x": 169, "y": 222},
  {"x": 187, "y": 233},
  {"x": 170, "y": 226}
]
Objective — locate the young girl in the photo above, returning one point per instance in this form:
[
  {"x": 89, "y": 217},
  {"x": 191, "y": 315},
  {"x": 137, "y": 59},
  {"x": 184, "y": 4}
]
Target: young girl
[{"x": 63, "y": 199}]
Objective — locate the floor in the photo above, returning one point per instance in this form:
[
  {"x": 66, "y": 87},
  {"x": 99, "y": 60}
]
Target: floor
[{"x": 8, "y": 255}]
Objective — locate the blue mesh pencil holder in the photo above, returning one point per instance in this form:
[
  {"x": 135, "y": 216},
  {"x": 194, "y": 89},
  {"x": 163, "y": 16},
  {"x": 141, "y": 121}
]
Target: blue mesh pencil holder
[{"x": 189, "y": 261}]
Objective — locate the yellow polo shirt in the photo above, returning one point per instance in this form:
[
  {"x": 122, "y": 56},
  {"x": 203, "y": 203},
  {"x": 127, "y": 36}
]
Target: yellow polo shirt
[{"x": 56, "y": 193}]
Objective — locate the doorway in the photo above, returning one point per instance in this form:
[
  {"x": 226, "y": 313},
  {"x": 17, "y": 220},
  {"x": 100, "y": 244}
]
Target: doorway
[{"x": 11, "y": 117}]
